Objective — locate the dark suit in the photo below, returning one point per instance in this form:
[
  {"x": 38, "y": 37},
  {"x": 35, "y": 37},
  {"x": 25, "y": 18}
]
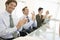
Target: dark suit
[{"x": 39, "y": 20}]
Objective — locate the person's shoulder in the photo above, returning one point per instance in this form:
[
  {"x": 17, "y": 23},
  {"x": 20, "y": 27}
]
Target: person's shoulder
[
  {"x": 37, "y": 15},
  {"x": 42, "y": 15},
  {"x": 22, "y": 17},
  {"x": 2, "y": 13}
]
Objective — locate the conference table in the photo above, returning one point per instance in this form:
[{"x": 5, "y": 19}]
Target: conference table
[
  {"x": 42, "y": 33},
  {"x": 35, "y": 35}
]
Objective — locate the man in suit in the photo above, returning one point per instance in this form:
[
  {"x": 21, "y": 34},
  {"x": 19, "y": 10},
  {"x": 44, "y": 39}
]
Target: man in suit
[{"x": 39, "y": 17}]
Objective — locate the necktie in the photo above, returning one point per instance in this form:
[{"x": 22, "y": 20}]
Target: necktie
[
  {"x": 11, "y": 22},
  {"x": 12, "y": 25},
  {"x": 28, "y": 21}
]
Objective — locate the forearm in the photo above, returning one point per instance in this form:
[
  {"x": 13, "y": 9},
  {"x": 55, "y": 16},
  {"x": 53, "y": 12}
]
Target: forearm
[
  {"x": 27, "y": 25},
  {"x": 7, "y": 31},
  {"x": 35, "y": 24}
]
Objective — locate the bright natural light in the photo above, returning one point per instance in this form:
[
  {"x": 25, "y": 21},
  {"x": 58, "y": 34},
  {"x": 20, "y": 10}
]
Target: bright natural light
[{"x": 53, "y": 6}]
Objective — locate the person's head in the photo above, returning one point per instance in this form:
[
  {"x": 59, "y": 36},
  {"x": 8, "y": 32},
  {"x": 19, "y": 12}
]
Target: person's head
[
  {"x": 25, "y": 10},
  {"x": 40, "y": 10},
  {"x": 10, "y": 5},
  {"x": 47, "y": 12}
]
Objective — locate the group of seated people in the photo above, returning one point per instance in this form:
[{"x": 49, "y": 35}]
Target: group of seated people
[
  {"x": 11, "y": 28},
  {"x": 35, "y": 22}
]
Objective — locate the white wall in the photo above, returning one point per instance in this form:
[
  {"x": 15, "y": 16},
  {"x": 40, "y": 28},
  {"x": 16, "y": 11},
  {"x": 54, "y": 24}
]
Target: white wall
[{"x": 2, "y": 4}]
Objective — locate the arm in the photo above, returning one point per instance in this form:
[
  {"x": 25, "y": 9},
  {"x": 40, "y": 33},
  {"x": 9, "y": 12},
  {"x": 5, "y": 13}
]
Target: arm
[
  {"x": 4, "y": 30},
  {"x": 27, "y": 25},
  {"x": 35, "y": 24},
  {"x": 46, "y": 20}
]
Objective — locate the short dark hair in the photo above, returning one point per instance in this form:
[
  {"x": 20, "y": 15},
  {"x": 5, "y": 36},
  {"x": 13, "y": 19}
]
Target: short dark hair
[
  {"x": 9, "y": 1},
  {"x": 40, "y": 9},
  {"x": 24, "y": 8}
]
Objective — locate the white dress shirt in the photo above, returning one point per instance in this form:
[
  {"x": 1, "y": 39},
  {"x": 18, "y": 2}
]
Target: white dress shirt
[
  {"x": 31, "y": 23},
  {"x": 5, "y": 30}
]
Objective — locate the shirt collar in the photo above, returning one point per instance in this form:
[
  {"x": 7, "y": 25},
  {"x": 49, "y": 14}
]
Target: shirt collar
[
  {"x": 7, "y": 13},
  {"x": 25, "y": 15}
]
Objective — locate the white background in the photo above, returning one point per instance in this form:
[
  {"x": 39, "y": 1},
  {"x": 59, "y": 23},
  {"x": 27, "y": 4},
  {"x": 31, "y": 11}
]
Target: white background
[{"x": 52, "y": 5}]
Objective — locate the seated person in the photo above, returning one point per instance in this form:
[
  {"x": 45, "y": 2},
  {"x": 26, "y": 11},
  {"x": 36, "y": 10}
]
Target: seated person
[
  {"x": 47, "y": 17},
  {"x": 9, "y": 24},
  {"x": 30, "y": 25},
  {"x": 39, "y": 17}
]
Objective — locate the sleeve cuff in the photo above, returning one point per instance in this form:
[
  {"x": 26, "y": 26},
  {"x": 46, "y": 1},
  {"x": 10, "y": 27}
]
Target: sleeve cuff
[{"x": 15, "y": 29}]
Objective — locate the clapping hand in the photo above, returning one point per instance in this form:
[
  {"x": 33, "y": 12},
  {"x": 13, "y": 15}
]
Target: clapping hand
[
  {"x": 33, "y": 16},
  {"x": 21, "y": 23}
]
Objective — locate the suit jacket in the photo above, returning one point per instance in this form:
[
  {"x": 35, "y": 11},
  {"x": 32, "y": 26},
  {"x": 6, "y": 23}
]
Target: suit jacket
[{"x": 39, "y": 20}]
